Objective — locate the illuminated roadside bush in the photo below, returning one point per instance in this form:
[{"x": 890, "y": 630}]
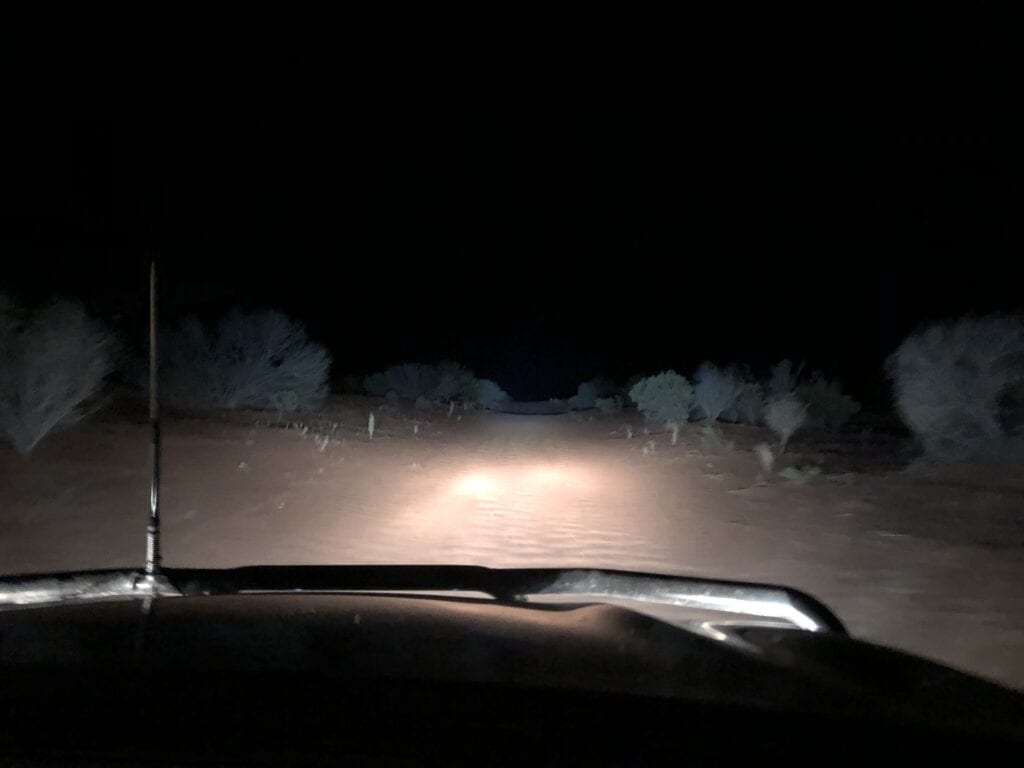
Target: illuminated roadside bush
[
  {"x": 251, "y": 360},
  {"x": 665, "y": 397},
  {"x": 52, "y": 364},
  {"x": 960, "y": 386},
  {"x": 784, "y": 416},
  {"x": 715, "y": 390}
]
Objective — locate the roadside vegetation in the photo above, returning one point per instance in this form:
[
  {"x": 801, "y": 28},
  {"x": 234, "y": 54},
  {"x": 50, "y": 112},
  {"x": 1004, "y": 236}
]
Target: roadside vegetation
[{"x": 958, "y": 386}]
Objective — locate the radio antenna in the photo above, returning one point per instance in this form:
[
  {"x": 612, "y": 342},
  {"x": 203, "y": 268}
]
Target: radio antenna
[{"x": 153, "y": 528}]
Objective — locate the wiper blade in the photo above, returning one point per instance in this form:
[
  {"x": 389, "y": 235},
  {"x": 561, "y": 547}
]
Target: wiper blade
[
  {"x": 763, "y": 601},
  {"x": 508, "y": 585},
  {"x": 89, "y": 585}
]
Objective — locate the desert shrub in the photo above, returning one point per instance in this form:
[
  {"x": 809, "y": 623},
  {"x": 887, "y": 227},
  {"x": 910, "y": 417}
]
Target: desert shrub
[
  {"x": 251, "y": 360},
  {"x": 714, "y": 390},
  {"x": 748, "y": 408},
  {"x": 442, "y": 383},
  {"x": 609, "y": 405},
  {"x": 485, "y": 393},
  {"x": 712, "y": 439},
  {"x": 800, "y": 475},
  {"x": 784, "y": 416},
  {"x": 604, "y": 387},
  {"x": 407, "y": 380},
  {"x": 666, "y": 397},
  {"x": 827, "y": 405},
  {"x": 287, "y": 400},
  {"x": 783, "y": 379},
  {"x": 585, "y": 397},
  {"x": 588, "y": 392},
  {"x": 51, "y": 364},
  {"x": 958, "y": 385},
  {"x": 454, "y": 382}
]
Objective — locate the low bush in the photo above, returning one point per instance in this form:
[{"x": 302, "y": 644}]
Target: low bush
[
  {"x": 454, "y": 382},
  {"x": 485, "y": 393},
  {"x": 784, "y": 416},
  {"x": 827, "y": 406},
  {"x": 783, "y": 380},
  {"x": 445, "y": 382},
  {"x": 585, "y": 397},
  {"x": 609, "y": 405},
  {"x": 665, "y": 397},
  {"x": 959, "y": 386},
  {"x": 407, "y": 380},
  {"x": 715, "y": 390},
  {"x": 748, "y": 407},
  {"x": 251, "y": 360},
  {"x": 52, "y": 363},
  {"x": 588, "y": 392}
]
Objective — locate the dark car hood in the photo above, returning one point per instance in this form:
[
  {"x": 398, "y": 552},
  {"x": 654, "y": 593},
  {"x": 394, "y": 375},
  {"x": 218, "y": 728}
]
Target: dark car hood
[
  {"x": 328, "y": 665},
  {"x": 587, "y": 647}
]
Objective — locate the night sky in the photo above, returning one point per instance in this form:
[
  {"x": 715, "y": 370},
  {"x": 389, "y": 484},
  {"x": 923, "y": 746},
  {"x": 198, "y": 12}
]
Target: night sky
[{"x": 541, "y": 235}]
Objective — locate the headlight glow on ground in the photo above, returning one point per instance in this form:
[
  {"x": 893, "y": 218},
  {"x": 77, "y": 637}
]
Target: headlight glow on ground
[
  {"x": 476, "y": 484},
  {"x": 539, "y": 479}
]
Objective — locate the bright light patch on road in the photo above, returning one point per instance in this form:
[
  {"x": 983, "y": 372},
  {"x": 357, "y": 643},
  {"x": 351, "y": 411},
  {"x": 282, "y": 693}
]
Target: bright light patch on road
[
  {"x": 491, "y": 503},
  {"x": 546, "y": 475},
  {"x": 476, "y": 484},
  {"x": 541, "y": 478}
]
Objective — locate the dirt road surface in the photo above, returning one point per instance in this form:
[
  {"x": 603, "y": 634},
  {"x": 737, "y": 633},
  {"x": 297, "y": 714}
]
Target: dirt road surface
[{"x": 931, "y": 562}]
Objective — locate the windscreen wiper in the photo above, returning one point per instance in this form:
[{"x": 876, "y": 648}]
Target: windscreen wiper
[{"x": 509, "y": 585}]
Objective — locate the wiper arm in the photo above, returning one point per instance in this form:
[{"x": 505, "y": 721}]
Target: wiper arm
[
  {"x": 508, "y": 585},
  {"x": 89, "y": 585}
]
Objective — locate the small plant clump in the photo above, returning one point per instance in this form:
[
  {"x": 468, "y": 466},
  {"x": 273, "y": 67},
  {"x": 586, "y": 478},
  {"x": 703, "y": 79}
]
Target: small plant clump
[
  {"x": 765, "y": 458},
  {"x": 784, "y": 416},
  {"x": 800, "y": 475},
  {"x": 665, "y": 397},
  {"x": 712, "y": 439}
]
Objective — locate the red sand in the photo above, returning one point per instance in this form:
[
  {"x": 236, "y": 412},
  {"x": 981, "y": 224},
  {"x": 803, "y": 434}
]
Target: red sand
[{"x": 930, "y": 563}]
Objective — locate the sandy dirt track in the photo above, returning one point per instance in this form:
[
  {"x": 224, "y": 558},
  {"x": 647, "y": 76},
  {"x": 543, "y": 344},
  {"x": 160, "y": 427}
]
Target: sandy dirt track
[{"x": 931, "y": 562}]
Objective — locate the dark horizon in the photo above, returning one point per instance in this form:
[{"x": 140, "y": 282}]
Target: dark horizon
[{"x": 542, "y": 246}]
